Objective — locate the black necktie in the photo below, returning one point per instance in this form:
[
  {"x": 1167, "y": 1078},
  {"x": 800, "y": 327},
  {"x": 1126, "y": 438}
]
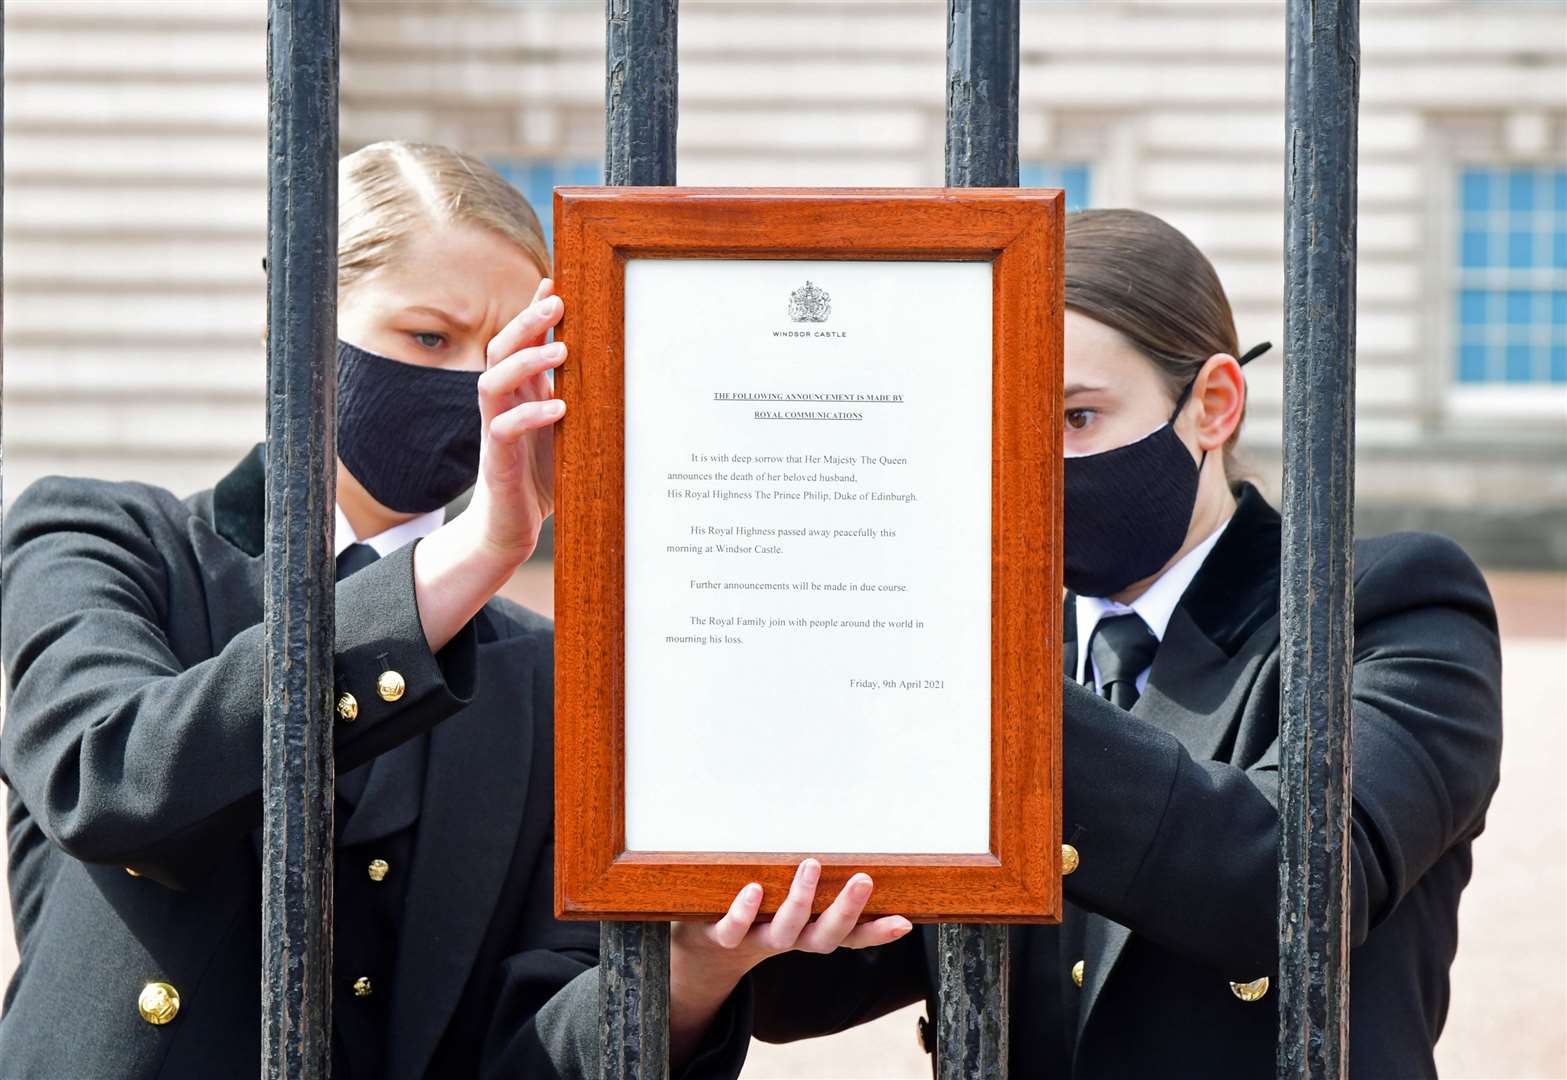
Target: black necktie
[
  {"x": 355, "y": 557},
  {"x": 351, "y": 784},
  {"x": 1121, "y": 648}
]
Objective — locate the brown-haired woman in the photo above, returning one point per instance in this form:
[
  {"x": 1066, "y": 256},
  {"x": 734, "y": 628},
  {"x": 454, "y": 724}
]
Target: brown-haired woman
[
  {"x": 132, "y": 745},
  {"x": 1165, "y": 961}
]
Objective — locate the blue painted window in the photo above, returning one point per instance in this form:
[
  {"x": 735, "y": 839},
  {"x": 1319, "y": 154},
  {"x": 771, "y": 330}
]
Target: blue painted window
[
  {"x": 1072, "y": 177},
  {"x": 1512, "y": 275},
  {"x": 537, "y": 180}
]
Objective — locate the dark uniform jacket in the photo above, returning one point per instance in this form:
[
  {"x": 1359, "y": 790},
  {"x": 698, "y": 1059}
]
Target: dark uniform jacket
[
  {"x": 132, "y": 747},
  {"x": 1174, "y": 811}
]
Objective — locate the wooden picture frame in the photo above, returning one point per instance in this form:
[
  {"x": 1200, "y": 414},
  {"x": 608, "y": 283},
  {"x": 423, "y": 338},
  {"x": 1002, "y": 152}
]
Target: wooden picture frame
[{"x": 1020, "y": 233}]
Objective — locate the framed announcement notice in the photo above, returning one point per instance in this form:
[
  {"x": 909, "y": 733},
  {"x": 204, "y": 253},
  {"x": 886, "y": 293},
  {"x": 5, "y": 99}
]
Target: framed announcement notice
[{"x": 807, "y": 580}]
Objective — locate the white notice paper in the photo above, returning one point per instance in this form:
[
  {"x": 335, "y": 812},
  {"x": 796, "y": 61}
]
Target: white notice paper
[{"x": 807, "y": 631}]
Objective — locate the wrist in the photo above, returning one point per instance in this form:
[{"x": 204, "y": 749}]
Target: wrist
[
  {"x": 700, "y": 980},
  {"x": 698, "y": 988},
  {"x": 485, "y": 560},
  {"x": 455, "y": 574}
]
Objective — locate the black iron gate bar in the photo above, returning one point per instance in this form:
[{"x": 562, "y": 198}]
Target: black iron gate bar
[
  {"x": 972, "y": 962},
  {"x": 640, "y": 110},
  {"x": 641, "y": 107},
  {"x": 1316, "y": 602},
  {"x": 298, "y": 776}
]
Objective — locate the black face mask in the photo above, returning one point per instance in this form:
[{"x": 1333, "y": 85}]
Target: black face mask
[
  {"x": 408, "y": 433},
  {"x": 1127, "y": 510}
]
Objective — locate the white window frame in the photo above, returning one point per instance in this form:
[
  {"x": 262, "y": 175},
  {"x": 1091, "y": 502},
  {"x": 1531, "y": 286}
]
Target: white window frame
[{"x": 1494, "y": 141}]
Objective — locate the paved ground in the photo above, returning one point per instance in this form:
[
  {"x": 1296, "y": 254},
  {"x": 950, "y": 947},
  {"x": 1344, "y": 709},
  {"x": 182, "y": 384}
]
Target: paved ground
[{"x": 1510, "y": 978}]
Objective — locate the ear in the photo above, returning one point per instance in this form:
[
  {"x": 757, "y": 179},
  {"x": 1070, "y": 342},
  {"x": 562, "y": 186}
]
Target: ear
[{"x": 1218, "y": 401}]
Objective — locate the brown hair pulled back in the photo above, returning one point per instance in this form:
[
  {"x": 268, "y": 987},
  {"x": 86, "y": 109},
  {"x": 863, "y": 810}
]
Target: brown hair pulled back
[{"x": 1143, "y": 278}]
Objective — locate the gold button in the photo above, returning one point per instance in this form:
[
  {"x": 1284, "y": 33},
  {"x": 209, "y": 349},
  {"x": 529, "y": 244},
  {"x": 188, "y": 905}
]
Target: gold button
[
  {"x": 1069, "y": 859},
  {"x": 347, "y": 708},
  {"x": 1077, "y": 973},
  {"x": 1252, "y": 991},
  {"x": 390, "y": 686},
  {"x": 133, "y": 873},
  {"x": 159, "y": 1003},
  {"x": 362, "y": 986},
  {"x": 377, "y": 869}
]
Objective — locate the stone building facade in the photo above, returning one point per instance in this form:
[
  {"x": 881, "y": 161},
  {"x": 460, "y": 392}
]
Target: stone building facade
[{"x": 136, "y": 176}]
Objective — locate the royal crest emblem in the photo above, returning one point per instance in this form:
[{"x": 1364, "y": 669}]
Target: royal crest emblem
[{"x": 809, "y": 304}]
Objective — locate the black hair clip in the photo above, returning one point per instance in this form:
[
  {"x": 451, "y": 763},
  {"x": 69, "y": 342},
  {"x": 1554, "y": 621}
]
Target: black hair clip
[{"x": 1254, "y": 352}]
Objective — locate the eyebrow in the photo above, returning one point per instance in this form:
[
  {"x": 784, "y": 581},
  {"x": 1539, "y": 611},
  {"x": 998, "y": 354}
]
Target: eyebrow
[
  {"x": 1082, "y": 388},
  {"x": 438, "y": 313}
]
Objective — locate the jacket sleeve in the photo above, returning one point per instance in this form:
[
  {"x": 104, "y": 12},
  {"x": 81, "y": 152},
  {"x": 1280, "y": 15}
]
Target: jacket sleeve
[
  {"x": 124, "y": 754},
  {"x": 1184, "y": 852},
  {"x": 546, "y": 1021},
  {"x": 803, "y": 995}
]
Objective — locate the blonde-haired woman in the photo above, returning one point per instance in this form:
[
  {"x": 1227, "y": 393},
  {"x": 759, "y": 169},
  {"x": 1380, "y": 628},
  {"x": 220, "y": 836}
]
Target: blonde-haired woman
[{"x": 132, "y": 747}]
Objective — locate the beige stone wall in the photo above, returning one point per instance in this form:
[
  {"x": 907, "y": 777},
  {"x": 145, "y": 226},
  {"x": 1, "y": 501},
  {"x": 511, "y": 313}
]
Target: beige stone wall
[
  {"x": 135, "y": 169},
  {"x": 135, "y": 224},
  {"x": 1176, "y": 106}
]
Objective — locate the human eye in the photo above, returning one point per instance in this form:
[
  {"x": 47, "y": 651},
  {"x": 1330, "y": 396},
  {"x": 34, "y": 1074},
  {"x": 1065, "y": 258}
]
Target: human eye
[
  {"x": 428, "y": 338},
  {"x": 1078, "y": 419}
]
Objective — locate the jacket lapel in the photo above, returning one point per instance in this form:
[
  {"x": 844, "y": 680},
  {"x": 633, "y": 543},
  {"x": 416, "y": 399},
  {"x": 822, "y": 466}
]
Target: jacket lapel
[
  {"x": 476, "y": 786},
  {"x": 1195, "y": 689},
  {"x": 392, "y": 799},
  {"x": 227, "y": 533},
  {"x": 1218, "y": 638}
]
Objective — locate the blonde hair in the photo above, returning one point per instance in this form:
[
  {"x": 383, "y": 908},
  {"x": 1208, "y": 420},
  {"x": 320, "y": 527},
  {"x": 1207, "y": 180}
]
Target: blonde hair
[{"x": 387, "y": 190}]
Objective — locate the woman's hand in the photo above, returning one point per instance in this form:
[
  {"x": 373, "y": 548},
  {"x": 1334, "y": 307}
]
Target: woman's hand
[
  {"x": 516, "y": 488},
  {"x": 462, "y": 564},
  {"x": 707, "y": 960}
]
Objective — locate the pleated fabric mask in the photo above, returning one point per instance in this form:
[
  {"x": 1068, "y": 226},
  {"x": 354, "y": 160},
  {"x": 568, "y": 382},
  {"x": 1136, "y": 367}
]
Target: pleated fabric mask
[
  {"x": 408, "y": 433},
  {"x": 1127, "y": 510}
]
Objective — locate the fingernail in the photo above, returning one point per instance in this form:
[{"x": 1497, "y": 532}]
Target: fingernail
[
  {"x": 903, "y": 929},
  {"x": 547, "y": 305},
  {"x": 554, "y": 350},
  {"x": 811, "y": 872},
  {"x": 554, "y": 407},
  {"x": 753, "y": 892},
  {"x": 861, "y": 886}
]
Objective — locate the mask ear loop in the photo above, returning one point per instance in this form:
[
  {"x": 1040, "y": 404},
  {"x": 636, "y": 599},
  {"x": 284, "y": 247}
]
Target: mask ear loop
[
  {"x": 1246, "y": 358},
  {"x": 1186, "y": 393},
  {"x": 1254, "y": 352},
  {"x": 1180, "y": 402}
]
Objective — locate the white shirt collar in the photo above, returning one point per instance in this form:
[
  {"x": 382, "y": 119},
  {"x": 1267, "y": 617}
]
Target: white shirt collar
[
  {"x": 389, "y": 541},
  {"x": 1155, "y": 605}
]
